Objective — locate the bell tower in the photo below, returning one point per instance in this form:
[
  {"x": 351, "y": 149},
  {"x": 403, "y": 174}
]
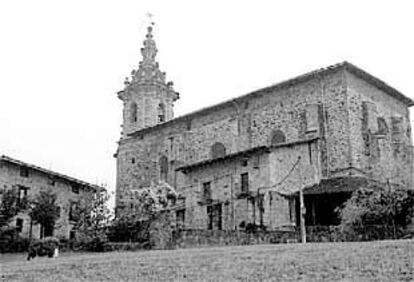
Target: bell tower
[{"x": 147, "y": 98}]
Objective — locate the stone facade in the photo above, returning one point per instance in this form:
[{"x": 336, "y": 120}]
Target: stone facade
[
  {"x": 244, "y": 160},
  {"x": 28, "y": 180}
]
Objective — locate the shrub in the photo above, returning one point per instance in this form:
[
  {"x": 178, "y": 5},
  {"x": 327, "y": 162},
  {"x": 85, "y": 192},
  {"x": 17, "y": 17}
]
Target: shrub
[
  {"x": 43, "y": 247},
  {"x": 387, "y": 209},
  {"x": 11, "y": 242}
]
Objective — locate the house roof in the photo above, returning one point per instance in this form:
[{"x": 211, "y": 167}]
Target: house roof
[
  {"x": 7, "y": 159},
  {"x": 287, "y": 83}
]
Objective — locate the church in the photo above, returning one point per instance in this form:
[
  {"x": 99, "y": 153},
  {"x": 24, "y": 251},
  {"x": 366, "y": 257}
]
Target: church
[{"x": 245, "y": 161}]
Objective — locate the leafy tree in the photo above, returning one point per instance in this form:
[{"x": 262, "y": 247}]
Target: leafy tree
[
  {"x": 92, "y": 214},
  {"x": 149, "y": 219},
  {"x": 377, "y": 205},
  {"x": 44, "y": 210},
  {"x": 9, "y": 206}
]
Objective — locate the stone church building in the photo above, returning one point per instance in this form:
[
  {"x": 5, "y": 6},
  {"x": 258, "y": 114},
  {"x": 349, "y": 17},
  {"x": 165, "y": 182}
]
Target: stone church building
[{"x": 243, "y": 161}]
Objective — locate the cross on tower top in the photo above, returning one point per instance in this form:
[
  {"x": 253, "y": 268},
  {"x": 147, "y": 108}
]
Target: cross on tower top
[{"x": 150, "y": 16}]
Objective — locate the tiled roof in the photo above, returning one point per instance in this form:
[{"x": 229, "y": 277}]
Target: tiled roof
[
  {"x": 248, "y": 152},
  {"x": 4, "y": 158}
]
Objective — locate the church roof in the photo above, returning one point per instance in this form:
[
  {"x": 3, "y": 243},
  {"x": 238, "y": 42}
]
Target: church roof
[
  {"x": 245, "y": 153},
  {"x": 7, "y": 159},
  {"x": 287, "y": 83}
]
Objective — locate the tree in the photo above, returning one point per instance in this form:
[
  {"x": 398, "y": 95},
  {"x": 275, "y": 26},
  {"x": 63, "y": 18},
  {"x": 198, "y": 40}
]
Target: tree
[
  {"x": 92, "y": 214},
  {"x": 148, "y": 221},
  {"x": 45, "y": 211},
  {"x": 377, "y": 205},
  {"x": 9, "y": 206}
]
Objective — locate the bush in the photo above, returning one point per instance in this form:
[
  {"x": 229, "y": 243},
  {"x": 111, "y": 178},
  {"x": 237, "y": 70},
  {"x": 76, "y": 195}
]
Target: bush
[
  {"x": 44, "y": 247},
  {"x": 376, "y": 213},
  {"x": 11, "y": 242}
]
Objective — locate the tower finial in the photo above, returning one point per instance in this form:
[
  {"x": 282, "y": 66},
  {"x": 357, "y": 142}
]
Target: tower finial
[
  {"x": 150, "y": 49},
  {"x": 150, "y": 21}
]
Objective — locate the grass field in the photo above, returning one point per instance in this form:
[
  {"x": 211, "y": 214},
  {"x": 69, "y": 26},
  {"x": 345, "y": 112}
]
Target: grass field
[{"x": 379, "y": 261}]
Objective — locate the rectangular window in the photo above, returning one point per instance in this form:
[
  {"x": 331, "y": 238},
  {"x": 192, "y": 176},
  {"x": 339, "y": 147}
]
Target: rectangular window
[
  {"x": 209, "y": 217},
  {"x": 19, "y": 225},
  {"x": 73, "y": 211},
  {"x": 75, "y": 189},
  {"x": 207, "y": 190},
  {"x": 214, "y": 217},
  {"x": 180, "y": 218},
  {"x": 244, "y": 182},
  {"x": 24, "y": 172},
  {"x": 51, "y": 181},
  {"x": 72, "y": 234},
  {"x": 23, "y": 192}
]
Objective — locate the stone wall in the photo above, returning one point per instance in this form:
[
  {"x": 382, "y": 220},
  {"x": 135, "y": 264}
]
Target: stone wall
[
  {"x": 195, "y": 238},
  {"x": 380, "y": 134}
]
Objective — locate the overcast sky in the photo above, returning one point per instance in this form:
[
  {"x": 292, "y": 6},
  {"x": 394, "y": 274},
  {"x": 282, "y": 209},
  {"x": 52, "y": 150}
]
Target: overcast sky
[{"x": 62, "y": 62}]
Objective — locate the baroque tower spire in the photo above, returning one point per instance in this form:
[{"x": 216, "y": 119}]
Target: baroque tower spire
[{"x": 148, "y": 98}]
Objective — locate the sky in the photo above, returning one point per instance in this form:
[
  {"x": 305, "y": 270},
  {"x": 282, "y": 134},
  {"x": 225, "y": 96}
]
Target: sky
[{"x": 62, "y": 63}]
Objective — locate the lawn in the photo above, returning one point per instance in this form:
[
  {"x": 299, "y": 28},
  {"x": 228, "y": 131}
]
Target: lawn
[{"x": 379, "y": 261}]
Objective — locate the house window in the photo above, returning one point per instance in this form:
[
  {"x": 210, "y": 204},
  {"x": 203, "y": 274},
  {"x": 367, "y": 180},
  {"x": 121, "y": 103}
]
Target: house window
[
  {"x": 278, "y": 137},
  {"x": 133, "y": 160},
  {"x": 218, "y": 150},
  {"x": 207, "y": 190},
  {"x": 73, "y": 211},
  {"x": 23, "y": 192},
  {"x": 180, "y": 218},
  {"x": 75, "y": 189},
  {"x": 244, "y": 182},
  {"x": 215, "y": 219},
  {"x": 51, "y": 181},
  {"x": 19, "y": 225},
  {"x": 382, "y": 126},
  {"x": 24, "y": 171},
  {"x": 72, "y": 234}
]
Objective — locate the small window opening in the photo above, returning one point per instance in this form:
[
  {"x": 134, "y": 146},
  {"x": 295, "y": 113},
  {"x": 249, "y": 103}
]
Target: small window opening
[
  {"x": 75, "y": 189},
  {"x": 23, "y": 193},
  {"x": 244, "y": 182},
  {"x": 163, "y": 163},
  {"x": 133, "y": 112},
  {"x": 161, "y": 112},
  {"x": 19, "y": 225},
  {"x": 24, "y": 172},
  {"x": 207, "y": 190},
  {"x": 278, "y": 137},
  {"x": 218, "y": 150}
]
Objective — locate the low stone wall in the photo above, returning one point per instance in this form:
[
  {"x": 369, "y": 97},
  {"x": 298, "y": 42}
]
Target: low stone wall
[
  {"x": 364, "y": 233},
  {"x": 194, "y": 238}
]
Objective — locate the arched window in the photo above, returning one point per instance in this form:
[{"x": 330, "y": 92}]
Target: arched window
[
  {"x": 133, "y": 112},
  {"x": 278, "y": 137},
  {"x": 161, "y": 112},
  {"x": 163, "y": 163},
  {"x": 218, "y": 150}
]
